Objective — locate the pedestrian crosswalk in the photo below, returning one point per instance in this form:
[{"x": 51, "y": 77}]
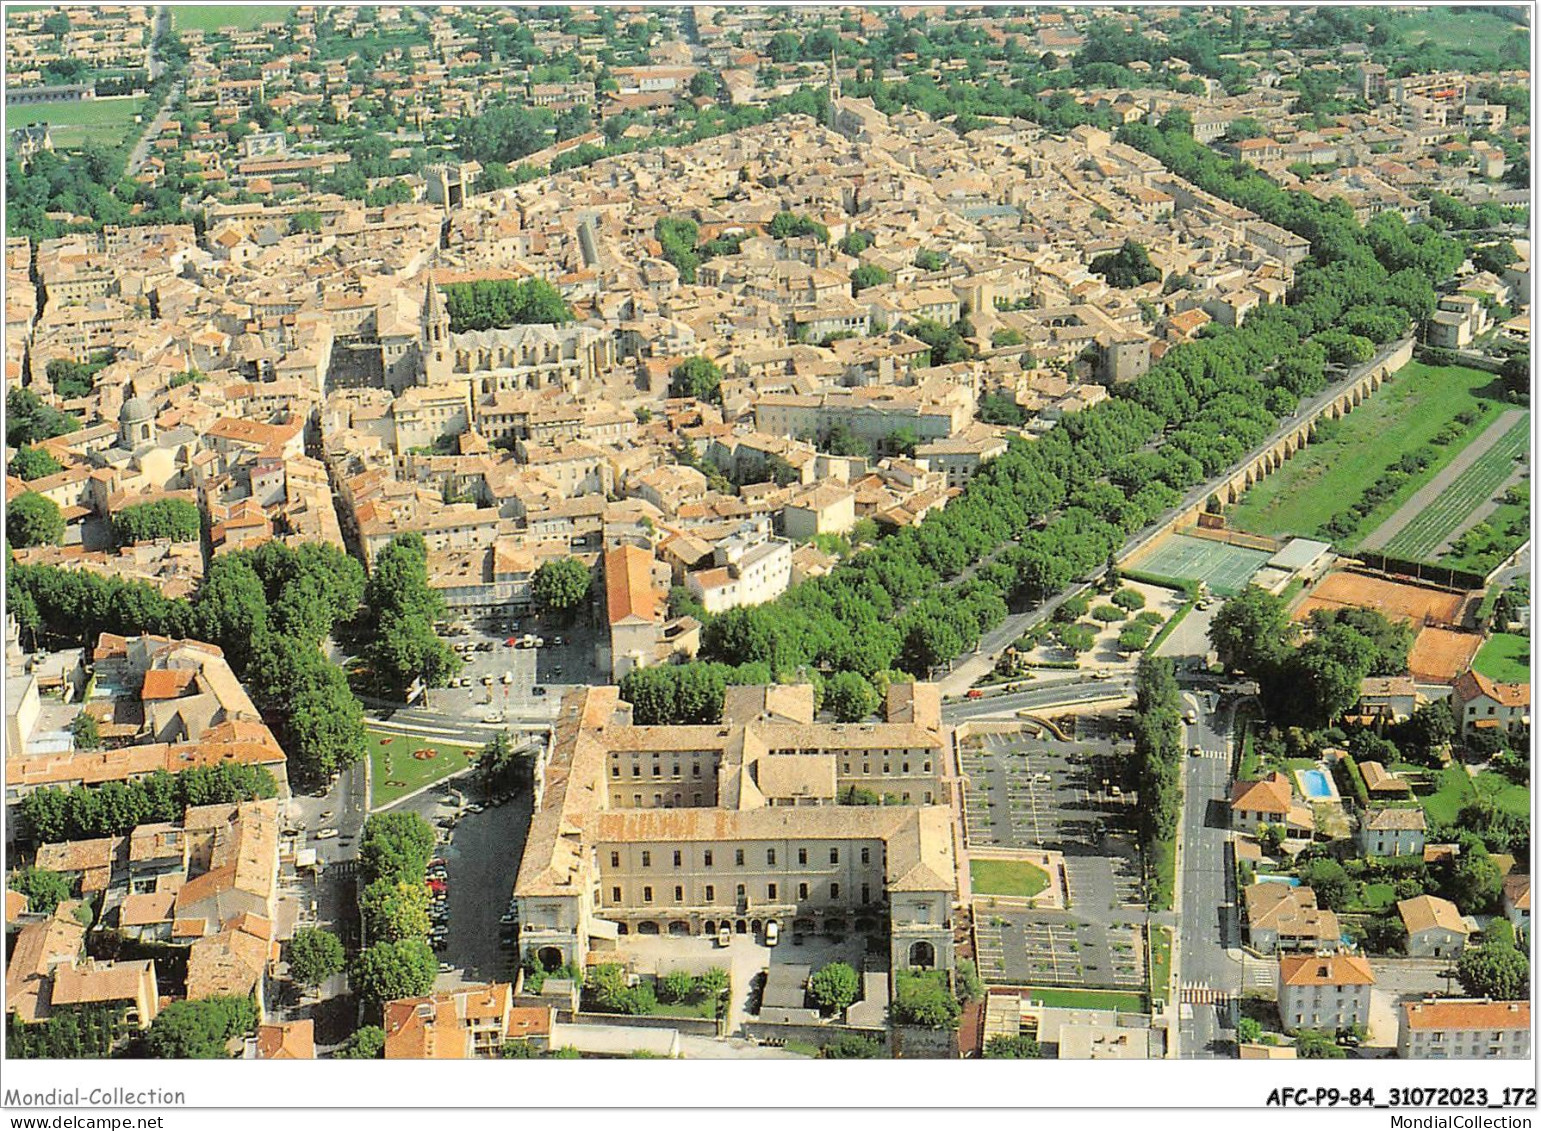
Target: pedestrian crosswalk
[
  {"x": 1194, "y": 994},
  {"x": 1213, "y": 754}
]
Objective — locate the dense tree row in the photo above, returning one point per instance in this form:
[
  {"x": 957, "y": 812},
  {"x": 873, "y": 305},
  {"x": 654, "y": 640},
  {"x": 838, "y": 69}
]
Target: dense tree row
[
  {"x": 496, "y": 303},
  {"x": 176, "y": 519},
  {"x": 84, "y": 812},
  {"x": 71, "y": 1032},
  {"x": 400, "y": 611},
  {"x": 1158, "y": 765}
]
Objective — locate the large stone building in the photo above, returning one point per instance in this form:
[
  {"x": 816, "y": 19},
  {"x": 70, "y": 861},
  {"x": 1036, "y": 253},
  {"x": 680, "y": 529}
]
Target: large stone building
[
  {"x": 682, "y": 830},
  {"x": 1464, "y": 1029}
]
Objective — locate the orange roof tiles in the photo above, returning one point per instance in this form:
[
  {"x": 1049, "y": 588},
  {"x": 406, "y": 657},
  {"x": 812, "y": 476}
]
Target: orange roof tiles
[
  {"x": 629, "y": 585},
  {"x": 1325, "y": 970},
  {"x": 1467, "y": 1015}
]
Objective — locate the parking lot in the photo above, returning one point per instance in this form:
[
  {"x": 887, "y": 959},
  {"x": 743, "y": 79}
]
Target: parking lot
[
  {"x": 1043, "y": 948},
  {"x": 500, "y": 678},
  {"x": 1023, "y": 793},
  {"x": 481, "y": 861},
  {"x": 1029, "y": 793}
]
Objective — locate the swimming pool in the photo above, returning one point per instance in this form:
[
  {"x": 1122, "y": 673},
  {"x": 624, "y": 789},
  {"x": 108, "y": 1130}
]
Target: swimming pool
[{"x": 1315, "y": 783}]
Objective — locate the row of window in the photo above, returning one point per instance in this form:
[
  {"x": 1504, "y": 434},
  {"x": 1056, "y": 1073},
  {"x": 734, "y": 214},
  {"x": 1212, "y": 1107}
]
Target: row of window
[
  {"x": 636, "y": 770},
  {"x": 738, "y": 857},
  {"x": 772, "y": 893},
  {"x": 866, "y": 767}
]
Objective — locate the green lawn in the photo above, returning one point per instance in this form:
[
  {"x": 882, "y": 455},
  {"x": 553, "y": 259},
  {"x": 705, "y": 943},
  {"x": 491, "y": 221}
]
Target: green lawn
[
  {"x": 1007, "y": 877},
  {"x": 1377, "y": 897},
  {"x": 1161, "y": 963},
  {"x": 1123, "y": 1001},
  {"x": 1454, "y": 29},
  {"x": 1504, "y": 794},
  {"x": 210, "y": 18},
  {"x": 1505, "y": 657},
  {"x": 109, "y": 121},
  {"x": 396, "y": 773},
  {"x": 1455, "y": 790},
  {"x": 1327, "y": 475}
]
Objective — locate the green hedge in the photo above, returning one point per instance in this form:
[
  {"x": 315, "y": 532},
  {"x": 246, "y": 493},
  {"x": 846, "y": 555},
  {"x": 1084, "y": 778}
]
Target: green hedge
[{"x": 1347, "y": 772}]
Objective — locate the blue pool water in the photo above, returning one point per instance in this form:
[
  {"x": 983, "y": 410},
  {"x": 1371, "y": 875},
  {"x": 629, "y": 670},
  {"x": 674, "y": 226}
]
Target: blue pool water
[
  {"x": 1316, "y": 783},
  {"x": 1291, "y": 880}
]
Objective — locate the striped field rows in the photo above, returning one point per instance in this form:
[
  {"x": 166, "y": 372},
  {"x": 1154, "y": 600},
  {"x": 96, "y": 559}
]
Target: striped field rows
[{"x": 1475, "y": 486}]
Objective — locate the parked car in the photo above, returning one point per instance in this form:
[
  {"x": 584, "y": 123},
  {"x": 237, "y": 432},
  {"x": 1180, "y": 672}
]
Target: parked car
[
  {"x": 493, "y": 717},
  {"x": 772, "y": 933},
  {"x": 537, "y": 690},
  {"x": 724, "y": 935},
  {"x": 975, "y": 693},
  {"x": 557, "y": 640},
  {"x": 326, "y": 834}
]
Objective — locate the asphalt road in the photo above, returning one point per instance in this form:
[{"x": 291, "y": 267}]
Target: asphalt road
[
  {"x": 1208, "y": 923},
  {"x": 1058, "y": 693}
]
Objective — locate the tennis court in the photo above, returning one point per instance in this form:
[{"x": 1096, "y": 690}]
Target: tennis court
[{"x": 1226, "y": 569}]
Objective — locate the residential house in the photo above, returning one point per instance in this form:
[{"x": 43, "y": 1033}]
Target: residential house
[
  {"x": 472, "y": 1021},
  {"x": 1517, "y": 902},
  {"x": 1435, "y": 928},
  {"x": 1281, "y": 917},
  {"x": 1269, "y": 801},
  {"x": 1479, "y": 702},
  {"x": 1392, "y": 831},
  {"x": 1325, "y": 992}
]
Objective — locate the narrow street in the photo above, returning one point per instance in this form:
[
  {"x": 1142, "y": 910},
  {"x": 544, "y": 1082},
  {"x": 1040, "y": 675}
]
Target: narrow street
[{"x": 1209, "y": 968}]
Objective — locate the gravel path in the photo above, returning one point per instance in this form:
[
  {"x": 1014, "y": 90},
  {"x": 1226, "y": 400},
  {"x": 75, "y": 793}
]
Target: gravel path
[{"x": 1429, "y": 492}]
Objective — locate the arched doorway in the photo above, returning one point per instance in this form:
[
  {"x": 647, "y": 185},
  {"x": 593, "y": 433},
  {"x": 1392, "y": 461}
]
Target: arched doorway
[
  {"x": 922, "y": 955},
  {"x": 647, "y": 927},
  {"x": 679, "y": 928},
  {"x": 709, "y": 927},
  {"x": 741, "y": 927},
  {"x": 549, "y": 957},
  {"x": 834, "y": 926},
  {"x": 622, "y": 929},
  {"x": 756, "y": 926}
]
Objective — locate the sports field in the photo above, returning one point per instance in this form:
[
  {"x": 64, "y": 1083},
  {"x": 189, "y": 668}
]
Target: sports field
[
  {"x": 1476, "y": 484},
  {"x": 1224, "y": 568},
  {"x": 106, "y": 121},
  {"x": 212, "y": 17},
  {"x": 1333, "y": 471},
  {"x": 1392, "y": 599}
]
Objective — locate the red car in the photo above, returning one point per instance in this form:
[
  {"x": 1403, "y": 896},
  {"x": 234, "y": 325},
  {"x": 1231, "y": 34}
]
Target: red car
[
  {"x": 437, "y": 886},
  {"x": 975, "y": 693},
  {"x": 512, "y": 642}
]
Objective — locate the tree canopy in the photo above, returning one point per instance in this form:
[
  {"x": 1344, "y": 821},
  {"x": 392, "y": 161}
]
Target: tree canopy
[{"x": 489, "y": 304}]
